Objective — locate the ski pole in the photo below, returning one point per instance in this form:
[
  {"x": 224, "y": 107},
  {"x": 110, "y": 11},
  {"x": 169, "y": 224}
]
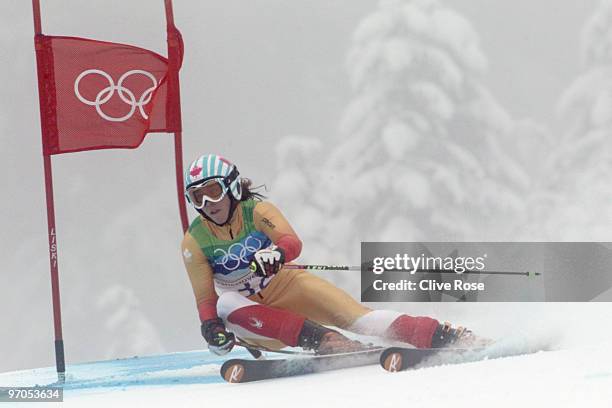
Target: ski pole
[
  {"x": 315, "y": 267},
  {"x": 256, "y": 350},
  {"x": 323, "y": 267},
  {"x": 253, "y": 267}
]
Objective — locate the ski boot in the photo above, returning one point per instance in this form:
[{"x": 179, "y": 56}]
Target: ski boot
[
  {"x": 323, "y": 340},
  {"x": 446, "y": 336}
]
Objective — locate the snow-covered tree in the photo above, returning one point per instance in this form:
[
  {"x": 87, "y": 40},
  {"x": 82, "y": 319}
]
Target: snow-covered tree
[
  {"x": 422, "y": 149},
  {"x": 578, "y": 200},
  {"x": 296, "y": 190}
]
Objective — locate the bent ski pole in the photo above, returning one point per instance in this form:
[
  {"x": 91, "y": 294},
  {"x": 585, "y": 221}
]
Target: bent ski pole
[
  {"x": 359, "y": 268},
  {"x": 256, "y": 350},
  {"x": 319, "y": 267}
]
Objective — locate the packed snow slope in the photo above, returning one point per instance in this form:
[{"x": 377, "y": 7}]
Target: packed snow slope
[{"x": 576, "y": 377}]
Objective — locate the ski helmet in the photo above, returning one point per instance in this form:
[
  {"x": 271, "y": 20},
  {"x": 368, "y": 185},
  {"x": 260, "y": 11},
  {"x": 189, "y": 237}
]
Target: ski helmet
[{"x": 213, "y": 167}]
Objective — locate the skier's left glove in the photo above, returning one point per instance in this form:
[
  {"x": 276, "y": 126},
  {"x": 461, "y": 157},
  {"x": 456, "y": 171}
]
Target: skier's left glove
[
  {"x": 219, "y": 340},
  {"x": 268, "y": 261}
]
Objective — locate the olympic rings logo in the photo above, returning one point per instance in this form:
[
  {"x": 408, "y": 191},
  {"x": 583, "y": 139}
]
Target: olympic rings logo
[
  {"x": 238, "y": 258},
  {"x": 126, "y": 95}
]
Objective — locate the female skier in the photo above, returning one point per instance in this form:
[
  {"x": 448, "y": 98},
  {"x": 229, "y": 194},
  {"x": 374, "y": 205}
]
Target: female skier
[{"x": 268, "y": 305}]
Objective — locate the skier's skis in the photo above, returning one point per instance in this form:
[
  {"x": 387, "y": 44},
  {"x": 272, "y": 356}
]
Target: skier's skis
[
  {"x": 399, "y": 358},
  {"x": 242, "y": 370}
]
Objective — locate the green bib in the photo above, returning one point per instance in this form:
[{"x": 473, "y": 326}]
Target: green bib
[{"x": 230, "y": 259}]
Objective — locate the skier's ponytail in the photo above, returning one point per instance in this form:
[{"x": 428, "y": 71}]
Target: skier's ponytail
[{"x": 248, "y": 192}]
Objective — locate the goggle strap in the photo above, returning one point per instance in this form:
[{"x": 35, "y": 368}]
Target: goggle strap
[{"x": 230, "y": 178}]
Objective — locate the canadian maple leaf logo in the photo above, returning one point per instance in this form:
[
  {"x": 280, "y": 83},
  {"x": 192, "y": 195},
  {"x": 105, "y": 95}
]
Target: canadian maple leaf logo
[{"x": 195, "y": 171}]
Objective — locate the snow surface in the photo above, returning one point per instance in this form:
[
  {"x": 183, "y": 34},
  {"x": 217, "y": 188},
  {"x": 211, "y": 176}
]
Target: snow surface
[{"x": 578, "y": 377}]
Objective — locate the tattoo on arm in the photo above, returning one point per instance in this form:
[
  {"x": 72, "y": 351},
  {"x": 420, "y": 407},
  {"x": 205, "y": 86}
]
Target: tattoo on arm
[{"x": 268, "y": 223}]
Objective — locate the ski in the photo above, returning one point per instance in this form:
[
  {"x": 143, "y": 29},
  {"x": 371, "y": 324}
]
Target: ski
[
  {"x": 243, "y": 370},
  {"x": 395, "y": 359}
]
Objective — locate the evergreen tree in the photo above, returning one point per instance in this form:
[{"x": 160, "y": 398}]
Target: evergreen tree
[
  {"x": 577, "y": 203},
  {"x": 422, "y": 152}
]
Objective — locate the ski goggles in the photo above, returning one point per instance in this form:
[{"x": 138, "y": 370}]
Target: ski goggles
[{"x": 212, "y": 190}]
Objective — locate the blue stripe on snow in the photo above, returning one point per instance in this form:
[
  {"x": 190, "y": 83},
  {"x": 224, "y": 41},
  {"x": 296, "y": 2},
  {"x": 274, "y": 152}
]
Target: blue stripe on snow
[{"x": 194, "y": 367}]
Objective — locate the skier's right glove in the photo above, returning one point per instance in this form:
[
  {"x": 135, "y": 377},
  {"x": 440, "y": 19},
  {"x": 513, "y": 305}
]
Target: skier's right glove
[
  {"x": 267, "y": 261},
  {"x": 219, "y": 340}
]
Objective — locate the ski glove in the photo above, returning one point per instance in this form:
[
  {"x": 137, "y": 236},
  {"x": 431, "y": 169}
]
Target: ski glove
[
  {"x": 268, "y": 261},
  {"x": 219, "y": 340}
]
